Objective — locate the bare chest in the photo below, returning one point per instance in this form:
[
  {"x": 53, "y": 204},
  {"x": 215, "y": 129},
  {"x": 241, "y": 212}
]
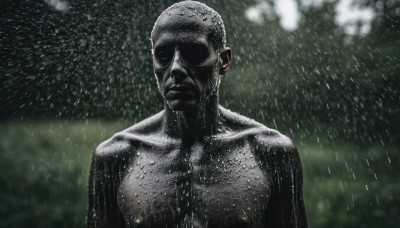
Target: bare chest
[{"x": 197, "y": 187}]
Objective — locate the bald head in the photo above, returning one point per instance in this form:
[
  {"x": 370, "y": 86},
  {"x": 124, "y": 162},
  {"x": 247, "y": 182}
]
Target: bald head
[{"x": 196, "y": 16}]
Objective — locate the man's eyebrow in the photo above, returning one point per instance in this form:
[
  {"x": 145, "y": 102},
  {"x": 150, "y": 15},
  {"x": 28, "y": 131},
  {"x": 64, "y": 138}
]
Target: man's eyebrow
[
  {"x": 169, "y": 42},
  {"x": 162, "y": 44}
]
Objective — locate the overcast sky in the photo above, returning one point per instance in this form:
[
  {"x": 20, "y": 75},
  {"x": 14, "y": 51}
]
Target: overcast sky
[{"x": 347, "y": 15}]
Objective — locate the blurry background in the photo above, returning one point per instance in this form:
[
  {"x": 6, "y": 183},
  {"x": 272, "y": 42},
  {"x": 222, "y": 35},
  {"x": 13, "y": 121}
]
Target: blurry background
[{"x": 324, "y": 72}]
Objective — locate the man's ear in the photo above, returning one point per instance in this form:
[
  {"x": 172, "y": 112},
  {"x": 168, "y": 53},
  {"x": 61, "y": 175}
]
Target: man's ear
[{"x": 225, "y": 60}]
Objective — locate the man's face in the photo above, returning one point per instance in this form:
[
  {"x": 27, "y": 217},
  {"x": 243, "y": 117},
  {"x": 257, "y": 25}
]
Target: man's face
[{"x": 184, "y": 60}]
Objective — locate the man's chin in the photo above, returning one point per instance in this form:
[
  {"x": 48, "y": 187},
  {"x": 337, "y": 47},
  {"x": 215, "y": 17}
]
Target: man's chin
[{"x": 182, "y": 105}]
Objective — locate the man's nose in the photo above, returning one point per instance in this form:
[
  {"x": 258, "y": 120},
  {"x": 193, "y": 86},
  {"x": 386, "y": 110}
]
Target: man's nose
[{"x": 178, "y": 70}]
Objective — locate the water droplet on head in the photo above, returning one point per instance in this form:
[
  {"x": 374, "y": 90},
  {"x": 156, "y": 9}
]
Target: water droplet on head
[
  {"x": 138, "y": 220},
  {"x": 244, "y": 218}
]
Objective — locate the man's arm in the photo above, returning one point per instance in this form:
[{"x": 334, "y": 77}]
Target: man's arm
[
  {"x": 286, "y": 207},
  {"x": 104, "y": 179}
]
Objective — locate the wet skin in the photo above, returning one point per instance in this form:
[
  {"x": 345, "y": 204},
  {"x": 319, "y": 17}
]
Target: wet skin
[
  {"x": 246, "y": 176},
  {"x": 195, "y": 164}
]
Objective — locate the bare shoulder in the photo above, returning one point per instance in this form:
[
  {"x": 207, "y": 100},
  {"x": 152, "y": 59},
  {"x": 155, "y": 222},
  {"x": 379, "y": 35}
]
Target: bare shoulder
[
  {"x": 126, "y": 140},
  {"x": 265, "y": 139}
]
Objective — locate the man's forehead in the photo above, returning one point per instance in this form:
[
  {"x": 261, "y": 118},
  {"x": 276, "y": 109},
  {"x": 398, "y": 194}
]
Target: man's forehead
[
  {"x": 182, "y": 37},
  {"x": 177, "y": 20}
]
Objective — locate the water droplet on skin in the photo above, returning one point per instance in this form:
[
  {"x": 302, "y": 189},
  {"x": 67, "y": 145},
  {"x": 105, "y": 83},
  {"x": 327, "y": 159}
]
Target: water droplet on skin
[
  {"x": 141, "y": 176},
  {"x": 152, "y": 162},
  {"x": 138, "y": 220},
  {"x": 244, "y": 218},
  {"x": 233, "y": 205},
  {"x": 136, "y": 194}
]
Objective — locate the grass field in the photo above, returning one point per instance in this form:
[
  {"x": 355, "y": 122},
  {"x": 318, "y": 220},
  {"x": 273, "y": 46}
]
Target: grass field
[{"x": 44, "y": 169}]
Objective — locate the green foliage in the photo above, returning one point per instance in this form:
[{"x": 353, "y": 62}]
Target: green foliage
[
  {"x": 317, "y": 78},
  {"x": 347, "y": 185},
  {"x": 44, "y": 171}
]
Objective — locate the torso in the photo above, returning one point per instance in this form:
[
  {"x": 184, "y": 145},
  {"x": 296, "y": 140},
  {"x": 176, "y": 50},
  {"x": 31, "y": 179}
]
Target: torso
[{"x": 217, "y": 181}]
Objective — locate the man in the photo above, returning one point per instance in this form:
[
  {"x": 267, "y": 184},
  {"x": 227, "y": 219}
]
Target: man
[{"x": 195, "y": 164}]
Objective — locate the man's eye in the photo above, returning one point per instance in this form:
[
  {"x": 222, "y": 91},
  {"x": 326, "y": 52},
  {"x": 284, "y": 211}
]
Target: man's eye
[
  {"x": 196, "y": 56},
  {"x": 164, "y": 56}
]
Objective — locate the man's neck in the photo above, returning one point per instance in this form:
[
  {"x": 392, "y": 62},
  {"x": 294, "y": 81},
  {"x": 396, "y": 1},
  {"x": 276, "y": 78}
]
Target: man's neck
[{"x": 192, "y": 124}]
